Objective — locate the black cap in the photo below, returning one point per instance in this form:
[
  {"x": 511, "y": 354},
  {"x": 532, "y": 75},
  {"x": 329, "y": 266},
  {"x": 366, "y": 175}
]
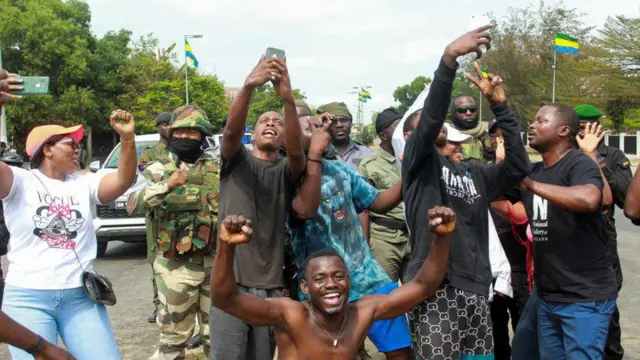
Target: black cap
[
  {"x": 386, "y": 118},
  {"x": 163, "y": 119}
]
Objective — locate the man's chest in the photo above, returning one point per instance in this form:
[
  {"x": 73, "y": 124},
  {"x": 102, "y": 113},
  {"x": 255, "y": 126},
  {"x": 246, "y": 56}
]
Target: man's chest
[{"x": 461, "y": 186}]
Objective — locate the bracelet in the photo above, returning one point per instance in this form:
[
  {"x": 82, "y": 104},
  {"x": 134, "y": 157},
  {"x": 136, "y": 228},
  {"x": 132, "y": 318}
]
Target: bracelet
[
  {"x": 123, "y": 141},
  {"x": 319, "y": 161},
  {"x": 35, "y": 348}
]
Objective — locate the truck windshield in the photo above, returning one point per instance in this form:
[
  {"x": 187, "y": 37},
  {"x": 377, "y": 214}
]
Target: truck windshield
[{"x": 114, "y": 158}]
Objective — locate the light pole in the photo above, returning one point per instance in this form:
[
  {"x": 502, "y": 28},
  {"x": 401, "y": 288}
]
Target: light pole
[
  {"x": 186, "y": 65},
  {"x": 360, "y": 110}
]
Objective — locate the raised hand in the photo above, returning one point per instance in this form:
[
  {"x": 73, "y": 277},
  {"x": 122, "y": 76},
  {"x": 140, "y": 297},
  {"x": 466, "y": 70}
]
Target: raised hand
[
  {"x": 235, "y": 230},
  {"x": 593, "y": 134},
  {"x": 282, "y": 84},
  {"x": 491, "y": 86},
  {"x": 468, "y": 43},
  {"x": 320, "y": 139},
  {"x": 442, "y": 220},
  {"x": 123, "y": 123},
  {"x": 264, "y": 71}
]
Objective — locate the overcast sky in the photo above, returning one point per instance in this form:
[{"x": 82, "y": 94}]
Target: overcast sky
[{"x": 331, "y": 45}]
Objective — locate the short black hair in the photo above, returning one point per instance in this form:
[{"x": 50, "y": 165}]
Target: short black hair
[
  {"x": 408, "y": 123},
  {"x": 566, "y": 115},
  {"x": 320, "y": 253}
]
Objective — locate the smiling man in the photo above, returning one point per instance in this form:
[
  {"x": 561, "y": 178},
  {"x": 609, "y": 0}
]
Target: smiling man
[
  {"x": 259, "y": 186},
  {"x": 326, "y": 326}
]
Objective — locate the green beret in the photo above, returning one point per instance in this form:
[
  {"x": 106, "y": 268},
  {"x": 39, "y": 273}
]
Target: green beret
[
  {"x": 336, "y": 109},
  {"x": 588, "y": 113},
  {"x": 191, "y": 117}
]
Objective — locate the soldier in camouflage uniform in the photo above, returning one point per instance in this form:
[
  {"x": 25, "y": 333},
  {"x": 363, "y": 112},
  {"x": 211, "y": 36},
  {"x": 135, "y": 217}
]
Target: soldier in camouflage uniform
[
  {"x": 183, "y": 200},
  {"x": 148, "y": 156}
]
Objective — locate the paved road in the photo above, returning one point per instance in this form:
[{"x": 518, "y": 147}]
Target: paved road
[{"x": 126, "y": 266}]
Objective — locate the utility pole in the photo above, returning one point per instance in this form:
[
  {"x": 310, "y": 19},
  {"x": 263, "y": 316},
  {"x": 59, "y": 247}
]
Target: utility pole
[
  {"x": 186, "y": 65},
  {"x": 3, "y": 117},
  {"x": 361, "y": 102}
]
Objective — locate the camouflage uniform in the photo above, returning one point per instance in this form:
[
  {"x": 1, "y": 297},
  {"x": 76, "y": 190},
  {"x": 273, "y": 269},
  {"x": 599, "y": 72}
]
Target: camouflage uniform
[
  {"x": 185, "y": 221},
  {"x": 149, "y": 155},
  {"x": 388, "y": 232}
]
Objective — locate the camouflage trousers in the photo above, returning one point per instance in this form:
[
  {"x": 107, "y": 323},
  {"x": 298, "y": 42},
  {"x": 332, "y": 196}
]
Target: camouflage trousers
[{"x": 184, "y": 294}]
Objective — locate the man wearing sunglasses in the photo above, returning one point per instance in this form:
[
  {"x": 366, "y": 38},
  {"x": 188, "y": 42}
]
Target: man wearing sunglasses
[{"x": 465, "y": 118}]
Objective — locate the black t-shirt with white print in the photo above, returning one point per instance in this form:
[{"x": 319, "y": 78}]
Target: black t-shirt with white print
[{"x": 571, "y": 257}]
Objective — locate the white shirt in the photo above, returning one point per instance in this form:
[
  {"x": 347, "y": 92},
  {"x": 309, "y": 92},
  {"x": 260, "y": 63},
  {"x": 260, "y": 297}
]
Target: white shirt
[{"x": 44, "y": 230}]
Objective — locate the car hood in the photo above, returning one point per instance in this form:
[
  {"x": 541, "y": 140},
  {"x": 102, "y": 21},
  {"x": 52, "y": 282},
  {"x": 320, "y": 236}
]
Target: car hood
[{"x": 140, "y": 182}]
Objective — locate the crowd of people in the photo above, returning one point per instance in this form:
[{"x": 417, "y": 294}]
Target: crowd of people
[{"x": 312, "y": 242}]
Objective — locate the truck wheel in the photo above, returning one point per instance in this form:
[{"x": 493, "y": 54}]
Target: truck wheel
[{"x": 102, "y": 248}]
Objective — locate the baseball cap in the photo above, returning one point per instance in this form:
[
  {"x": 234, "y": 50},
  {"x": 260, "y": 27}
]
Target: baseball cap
[
  {"x": 454, "y": 135},
  {"x": 163, "y": 118},
  {"x": 41, "y": 134}
]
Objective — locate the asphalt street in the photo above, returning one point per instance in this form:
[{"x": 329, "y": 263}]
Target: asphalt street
[{"x": 125, "y": 265}]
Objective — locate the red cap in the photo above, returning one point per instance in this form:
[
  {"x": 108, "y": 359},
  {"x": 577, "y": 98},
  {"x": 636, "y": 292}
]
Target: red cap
[{"x": 41, "y": 134}]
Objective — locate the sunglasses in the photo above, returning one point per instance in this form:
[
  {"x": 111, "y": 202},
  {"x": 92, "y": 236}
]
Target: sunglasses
[
  {"x": 69, "y": 141},
  {"x": 464, "y": 109}
]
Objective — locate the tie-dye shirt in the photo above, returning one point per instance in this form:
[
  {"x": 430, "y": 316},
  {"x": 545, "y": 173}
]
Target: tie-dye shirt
[{"x": 343, "y": 194}]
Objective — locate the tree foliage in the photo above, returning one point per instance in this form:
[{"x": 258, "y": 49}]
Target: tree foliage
[
  {"x": 91, "y": 76},
  {"x": 407, "y": 94},
  {"x": 266, "y": 99}
]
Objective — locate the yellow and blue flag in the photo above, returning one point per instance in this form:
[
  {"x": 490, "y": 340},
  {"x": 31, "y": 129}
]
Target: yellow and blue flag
[
  {"x": 189, "y": 54},
  {"x": 365, "y": 94},
  {"x": 362, "y": 98},
  {"x": 566, "y": 44}
]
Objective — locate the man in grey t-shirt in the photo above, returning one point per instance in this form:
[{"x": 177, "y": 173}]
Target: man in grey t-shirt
[{"x": 260, "y": 187}]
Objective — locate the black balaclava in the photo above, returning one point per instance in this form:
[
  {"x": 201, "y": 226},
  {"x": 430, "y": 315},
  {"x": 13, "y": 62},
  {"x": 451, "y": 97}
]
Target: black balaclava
[{"x": 187, "y": 150}]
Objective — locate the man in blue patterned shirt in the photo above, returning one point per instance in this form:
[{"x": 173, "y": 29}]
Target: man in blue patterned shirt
[{"x": 325, "y": 216}]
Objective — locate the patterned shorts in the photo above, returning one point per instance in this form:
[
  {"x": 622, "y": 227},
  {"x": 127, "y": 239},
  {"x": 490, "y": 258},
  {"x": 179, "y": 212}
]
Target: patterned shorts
[{"x": 451, "y": 325}]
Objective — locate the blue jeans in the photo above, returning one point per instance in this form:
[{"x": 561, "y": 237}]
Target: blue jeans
[
  {"x": 576, "y": 331},
  {"x": 83, "y": 325},
  {"x": 525, "y": 339}
]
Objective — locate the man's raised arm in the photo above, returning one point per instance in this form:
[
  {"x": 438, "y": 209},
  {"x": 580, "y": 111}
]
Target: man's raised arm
[
  {"x": 421, "y": 143},
  {"x": 442, "y": 222},
  {"x": 234, "y": 130},
  {"x": 225, "y": 295},
  {"x": 292, "y": 131}
]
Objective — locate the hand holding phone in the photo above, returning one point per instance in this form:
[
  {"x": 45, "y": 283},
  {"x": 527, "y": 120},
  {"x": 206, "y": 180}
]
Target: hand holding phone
[
  {"x": 33, "y": 85},
  {"x": 477, "y": 21}
]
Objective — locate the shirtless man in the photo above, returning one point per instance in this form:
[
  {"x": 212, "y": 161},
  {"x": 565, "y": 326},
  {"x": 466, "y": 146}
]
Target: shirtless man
[{"x": 327, "y": 326}]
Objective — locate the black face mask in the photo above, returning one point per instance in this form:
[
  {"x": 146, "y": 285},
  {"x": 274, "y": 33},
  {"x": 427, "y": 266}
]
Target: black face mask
[{"x": 188, "y": 150}]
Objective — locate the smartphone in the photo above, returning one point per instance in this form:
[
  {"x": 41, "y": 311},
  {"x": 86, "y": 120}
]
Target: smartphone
[
  {"x": 34, "y": 85},
  {"x": 477, "y": 21},
  {"x": 274, "y": 53}
]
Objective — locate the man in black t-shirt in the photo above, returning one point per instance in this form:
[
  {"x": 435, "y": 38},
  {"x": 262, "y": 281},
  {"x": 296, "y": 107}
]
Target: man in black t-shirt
[
  {"x": 456, "y": 321},
  {"x": 574, "y": 276},
  {"x": 260, "y": 187}
]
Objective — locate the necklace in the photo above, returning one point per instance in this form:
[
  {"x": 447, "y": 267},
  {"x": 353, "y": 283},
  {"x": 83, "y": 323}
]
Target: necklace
[{"x": 344, "y": 321}]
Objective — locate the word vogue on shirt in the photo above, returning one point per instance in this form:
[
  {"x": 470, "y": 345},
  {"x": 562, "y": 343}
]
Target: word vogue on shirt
[{"x": 460, "y": 186}]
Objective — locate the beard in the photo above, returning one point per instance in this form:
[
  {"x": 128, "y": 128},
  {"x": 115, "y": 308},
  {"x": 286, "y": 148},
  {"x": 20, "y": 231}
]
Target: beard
[{"x": 465, "y": 124}]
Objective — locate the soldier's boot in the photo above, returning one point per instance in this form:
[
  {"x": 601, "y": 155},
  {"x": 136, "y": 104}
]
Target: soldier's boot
[{"x": 154, "y": 317}]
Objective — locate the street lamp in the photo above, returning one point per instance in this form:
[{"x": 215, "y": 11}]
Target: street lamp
[{"x": 186, "y": 65}]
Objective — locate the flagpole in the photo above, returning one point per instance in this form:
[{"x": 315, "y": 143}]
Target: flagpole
[
  {"x": 3, "y": 116},
  {"x": 553, "y": 91},
  {"x": 186, "y": 73},
  {"x": 186, "y": 65}
]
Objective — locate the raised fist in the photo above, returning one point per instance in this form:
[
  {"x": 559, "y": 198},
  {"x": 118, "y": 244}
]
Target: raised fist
[
  {"x": 442, "y": 220},
  {"x": 123, "y": 123},
  {"x": 235, "y": 229}
]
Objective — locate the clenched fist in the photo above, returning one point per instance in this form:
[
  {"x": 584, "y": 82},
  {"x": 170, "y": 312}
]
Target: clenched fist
[
  {"x": 123, "y": 123},
  {"x": 235, "y": 230},
  {"x": 442, "y": 220}
]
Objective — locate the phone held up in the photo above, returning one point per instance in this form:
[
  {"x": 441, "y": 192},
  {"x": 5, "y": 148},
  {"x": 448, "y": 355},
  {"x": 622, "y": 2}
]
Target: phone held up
[
  {"x": 33, "y": 85},
  {"x": 477, "y": 21},
  {"x": 273, "y": 53}
]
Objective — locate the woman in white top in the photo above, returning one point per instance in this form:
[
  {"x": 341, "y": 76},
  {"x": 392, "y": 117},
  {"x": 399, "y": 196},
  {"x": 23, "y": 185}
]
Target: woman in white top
[{"x": 48, "y": 214}]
